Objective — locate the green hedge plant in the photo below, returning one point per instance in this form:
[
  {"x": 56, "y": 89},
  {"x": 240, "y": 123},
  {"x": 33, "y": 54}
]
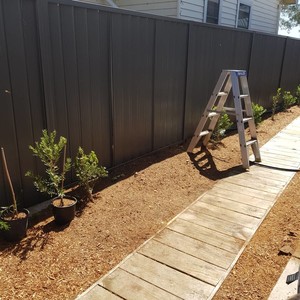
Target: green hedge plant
[
  {"x": 258, "y": 112},
  {"x": 88, "y": 171},
  {"x": 288, "y": 100},
  {"x": 223, "y": 124},
  {"x": 297, "y": 94},
  {"x": 275, "y": 101}
]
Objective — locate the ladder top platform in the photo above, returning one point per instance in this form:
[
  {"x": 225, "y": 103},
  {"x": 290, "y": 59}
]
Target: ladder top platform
[{"x": 239, "y": 72}]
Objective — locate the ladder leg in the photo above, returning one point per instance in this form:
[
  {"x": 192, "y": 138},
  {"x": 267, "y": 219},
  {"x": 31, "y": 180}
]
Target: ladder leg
[
  {"x": 220, "y": 106},
  {"x": 205, "y": 114},
  {"x": 251, "y": 123},
  {"x": 239, "y": 119}
]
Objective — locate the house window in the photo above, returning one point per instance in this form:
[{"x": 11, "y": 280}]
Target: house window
[
  {"x": 212, "y": 15},
  {"x": 244, "y": 16}
]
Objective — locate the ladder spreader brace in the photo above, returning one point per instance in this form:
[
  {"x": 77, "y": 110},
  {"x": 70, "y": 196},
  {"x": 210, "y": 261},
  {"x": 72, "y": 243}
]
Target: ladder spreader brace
[{"x": 237, "y": 81}]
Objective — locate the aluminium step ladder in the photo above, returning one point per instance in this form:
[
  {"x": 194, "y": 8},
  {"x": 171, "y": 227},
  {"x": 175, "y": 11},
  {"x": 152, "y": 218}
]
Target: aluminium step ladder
[{"x": 237, "y": 81}]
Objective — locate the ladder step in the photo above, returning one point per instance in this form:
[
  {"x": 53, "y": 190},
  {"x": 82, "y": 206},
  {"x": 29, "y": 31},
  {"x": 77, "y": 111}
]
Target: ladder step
[
  {"x": 241, "y": 73},
  {"x": 250, "y": 142},
  {"x": 231, "y": 109},
  {"x": 203, "y": 133},
  {"x": 213, "y": 114},
  {"x": 220, "y": 94},
  {"x": 247, "y": 119},
  {"x": 244, "y": 96}
]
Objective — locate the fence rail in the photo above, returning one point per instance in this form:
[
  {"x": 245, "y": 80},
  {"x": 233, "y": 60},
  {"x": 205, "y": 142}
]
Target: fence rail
[{"x": 119, "y": 82}]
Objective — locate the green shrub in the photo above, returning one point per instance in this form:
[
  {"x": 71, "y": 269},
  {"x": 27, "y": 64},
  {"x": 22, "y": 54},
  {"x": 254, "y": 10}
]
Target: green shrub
[
  {"x": 88, "y": 170},
  {"x": 275, "y": 101},
  {"x": 297, "y": 93},
  {"x": 288, "y": 100},
  {"x": 49, "y": 152},
  {"x": 223, "y": 124},
  {"x": 258, "y": 111}
]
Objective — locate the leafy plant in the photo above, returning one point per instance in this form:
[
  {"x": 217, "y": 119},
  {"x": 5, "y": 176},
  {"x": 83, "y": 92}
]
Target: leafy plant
[
  {"x": 288, "y": 100},
  {"x": 258, "y": 111},
  {"x": 49, "y": 152},
  {"x": 297, "y": 93},
  {"x": 275, "y": 101},
  {"x": 3, "y": 225},
  {"x": 223, "y": 124},
  {"x": 88, "y": 170}
]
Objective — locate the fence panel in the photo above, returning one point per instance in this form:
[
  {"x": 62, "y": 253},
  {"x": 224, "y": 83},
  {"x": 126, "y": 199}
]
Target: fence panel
[
  {"x": 80, "y": 52},
  {"x": 265, "y": 67},
  {"x": 290, "y": 77},
  {"x": 133, "y": 66}
]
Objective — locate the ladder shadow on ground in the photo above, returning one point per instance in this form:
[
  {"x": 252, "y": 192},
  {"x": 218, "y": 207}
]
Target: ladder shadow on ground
[{"x": 204, "y": 163}]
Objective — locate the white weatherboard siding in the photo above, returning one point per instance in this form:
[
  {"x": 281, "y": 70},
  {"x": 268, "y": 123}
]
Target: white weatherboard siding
[
  {"x": 192, "y": 10},
  {"x": 228, "y": 14},
  {"x": 167, "y": 8},
  {"x": 265, "y": 16},
  {"x": 102, "y": 2}
]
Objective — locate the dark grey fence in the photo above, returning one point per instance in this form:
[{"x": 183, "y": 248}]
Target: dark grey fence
[{"x": 121, "y": 83}]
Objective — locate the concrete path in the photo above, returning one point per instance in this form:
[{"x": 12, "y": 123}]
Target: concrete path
[{"x": 193, "y": 254}]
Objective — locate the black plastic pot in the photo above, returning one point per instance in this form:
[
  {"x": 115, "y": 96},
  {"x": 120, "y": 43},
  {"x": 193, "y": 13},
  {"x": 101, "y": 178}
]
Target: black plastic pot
[
  {"x": 64, "y": 214},
  {"x": 17, "y": 228}
]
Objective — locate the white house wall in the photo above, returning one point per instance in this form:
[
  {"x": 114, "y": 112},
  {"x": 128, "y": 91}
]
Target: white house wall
[
  {"x": 166, "y": 8},
  {"x": 264, "y": 13},
  {"x": 265, "y": 16},
  {"x": 102, "y": 2},
  {"x": 192, "y": 10}
]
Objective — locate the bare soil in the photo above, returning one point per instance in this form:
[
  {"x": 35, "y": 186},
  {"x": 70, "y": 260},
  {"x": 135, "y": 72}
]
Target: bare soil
[
  {"x": 131, "y": 205},
  {"x": 11, "y": 216},
  {"x": 66, "y": 202}
]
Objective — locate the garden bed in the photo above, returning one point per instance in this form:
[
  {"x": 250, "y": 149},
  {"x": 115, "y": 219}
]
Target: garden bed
[{"x": 132, "y": 204}]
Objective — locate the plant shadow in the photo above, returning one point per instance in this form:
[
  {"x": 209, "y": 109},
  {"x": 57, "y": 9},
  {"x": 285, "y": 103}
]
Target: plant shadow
[{"x": 38, "y": 237}]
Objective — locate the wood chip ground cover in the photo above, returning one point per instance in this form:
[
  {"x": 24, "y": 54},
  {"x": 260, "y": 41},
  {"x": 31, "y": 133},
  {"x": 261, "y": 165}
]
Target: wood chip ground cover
[{"x": 131, "y": 205}]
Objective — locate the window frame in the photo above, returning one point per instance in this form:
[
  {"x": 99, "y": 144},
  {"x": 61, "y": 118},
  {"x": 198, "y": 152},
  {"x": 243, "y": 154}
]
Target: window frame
[
  {"x": 219, "y": 12},
  {"x": 249, "y": 4}
]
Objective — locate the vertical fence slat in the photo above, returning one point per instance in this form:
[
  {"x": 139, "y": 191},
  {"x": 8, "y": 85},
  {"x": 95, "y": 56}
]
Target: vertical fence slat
[
  {"x": 82, "y": 55},
  {"x": 59, "y": 115},
  {"x": 98, "y": 39},
  {"x": 169, "y": 84},
  {"x": 71, "y": 76}
]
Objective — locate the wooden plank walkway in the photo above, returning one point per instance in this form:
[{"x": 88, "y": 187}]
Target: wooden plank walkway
[{"x": 193, "y": 254}]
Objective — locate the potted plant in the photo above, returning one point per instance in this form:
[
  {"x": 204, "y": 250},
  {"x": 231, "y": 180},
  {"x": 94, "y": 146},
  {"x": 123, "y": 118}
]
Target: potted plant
[
  {"x": 88, "y": 171},
  {"x": 52, "y": 182},
  {"x": 13, "y": 221}
]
